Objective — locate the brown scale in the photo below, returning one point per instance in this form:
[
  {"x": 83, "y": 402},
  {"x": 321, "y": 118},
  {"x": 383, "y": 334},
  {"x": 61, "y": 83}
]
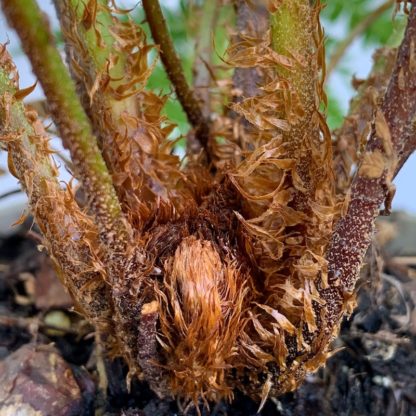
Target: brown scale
[
  {"x": 205, "y": 284},
  {"x": 214, "y": 230}
]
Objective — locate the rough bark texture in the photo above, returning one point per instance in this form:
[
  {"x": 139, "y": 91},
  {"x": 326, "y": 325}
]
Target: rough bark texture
[
  {"x": 252, "y": 21},
  {"x": 210, "y": 281},
  {"x": 391, "y": 141},
  {"x": 351, "y": 138},
  {"x": 67, "y": 113}
]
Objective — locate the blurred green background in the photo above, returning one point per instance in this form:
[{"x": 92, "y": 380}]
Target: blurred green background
[{"x": 339, "y": 18}]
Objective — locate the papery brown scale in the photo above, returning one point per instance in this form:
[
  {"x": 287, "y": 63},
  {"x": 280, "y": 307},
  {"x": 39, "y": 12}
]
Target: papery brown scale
[
  {"x": 127, "y": 157},
  {"x": 30, "y": 155},
  {"x": 353, "y": 133},
  {"x": 224, "y": 278}
]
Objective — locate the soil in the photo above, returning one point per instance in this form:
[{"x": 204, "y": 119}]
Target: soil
[{"x": 51, "y": 365}]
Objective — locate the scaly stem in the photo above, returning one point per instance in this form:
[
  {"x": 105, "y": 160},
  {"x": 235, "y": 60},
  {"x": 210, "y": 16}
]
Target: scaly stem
[
  {"x": 174, "y": 70},
  {"x": 292, "y": 35},
  {"x": 73, "y": 124},
  {"x": 108, "y": 59},
  {"x": 208, "y": 14},
  {"x": 94, "y": 15},
  {"x": 390, "y": 143},
  {"x": 69, "y": 235},
  {"x": 296, "y": 34},
  {"x": 351, "y": 136},
  {"x": 252, "y": 20},
  {"x": 92, "y": 23},
  {"x": 206, "y": 17}
]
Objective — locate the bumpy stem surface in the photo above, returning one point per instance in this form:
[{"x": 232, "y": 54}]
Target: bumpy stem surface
[
  {"x": 73, "y": 124},
  {"x": 351, "y": 136},
  {"x": 292, "y": 35},
  {"x": 69, "y": 234},
  {"x": 252, "y": 20},
  {"x": 391, "y": 142},
  {"x": 296, "y": 34}
]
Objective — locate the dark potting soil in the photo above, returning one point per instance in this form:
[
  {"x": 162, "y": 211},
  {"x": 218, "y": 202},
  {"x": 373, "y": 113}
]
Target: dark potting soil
[{"x": 44, "y": 343}]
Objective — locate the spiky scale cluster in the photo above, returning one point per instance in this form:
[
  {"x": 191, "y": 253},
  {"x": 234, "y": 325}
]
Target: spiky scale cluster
[
  {"x": 286, "y": 186},
  {"x": 111, "y": 70},
  {"x": 69, "y": 234},
  {"x": 204, "y": 278}
]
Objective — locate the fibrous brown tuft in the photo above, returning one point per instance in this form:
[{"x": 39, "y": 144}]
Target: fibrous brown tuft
[{"x": 232, "y": 268}]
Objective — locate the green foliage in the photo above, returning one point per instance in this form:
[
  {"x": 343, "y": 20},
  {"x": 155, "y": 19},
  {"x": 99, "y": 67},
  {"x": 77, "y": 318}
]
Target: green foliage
[
  {"x": 159, "y": 81},
  {"x": 339, "y": 18},
  {"x": 335, "y": 113},
  {"x": 353, "y": 12},
  {"x": 184, "y": 39}
]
